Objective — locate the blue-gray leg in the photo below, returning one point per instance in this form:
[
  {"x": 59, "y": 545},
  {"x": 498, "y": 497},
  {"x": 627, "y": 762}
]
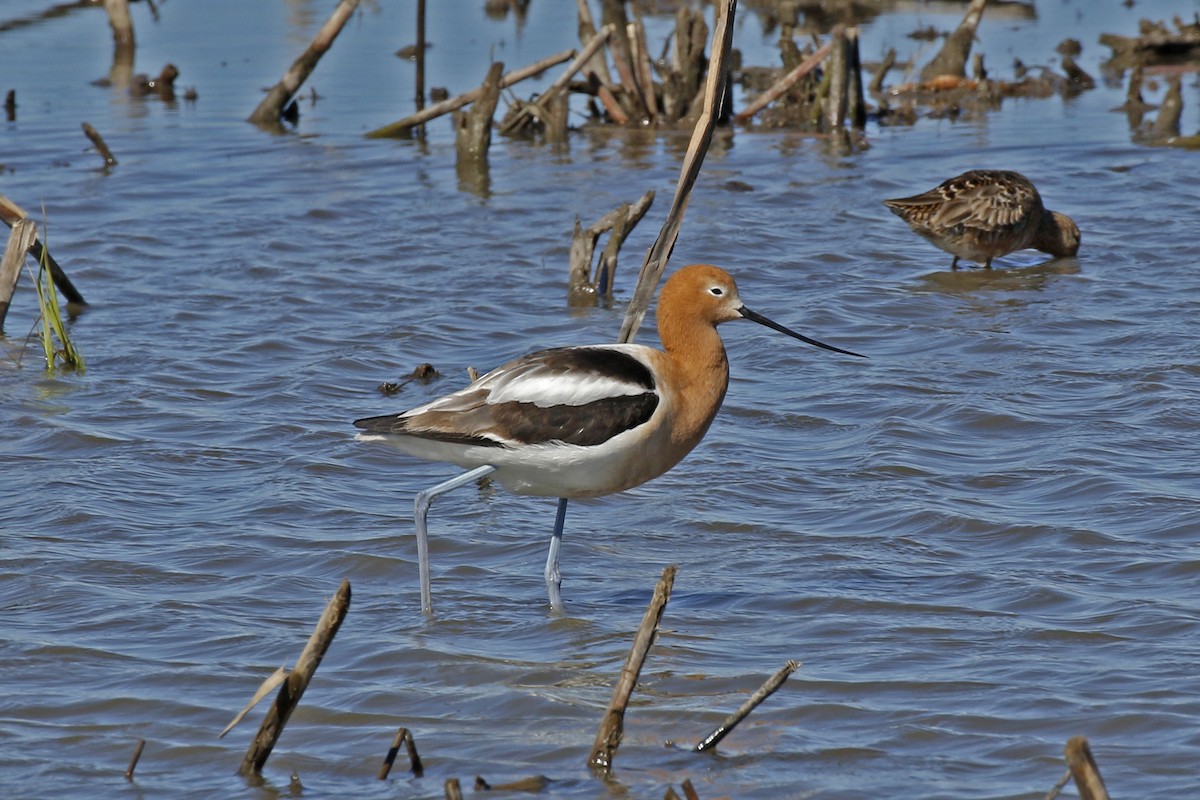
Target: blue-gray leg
[
  {"x": 421, "y": 511},
  {"x": 553, "y": 575}
]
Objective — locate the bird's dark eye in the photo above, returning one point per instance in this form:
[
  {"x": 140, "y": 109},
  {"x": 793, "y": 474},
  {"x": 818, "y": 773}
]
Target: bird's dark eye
[{"x": 716, "y": 291}]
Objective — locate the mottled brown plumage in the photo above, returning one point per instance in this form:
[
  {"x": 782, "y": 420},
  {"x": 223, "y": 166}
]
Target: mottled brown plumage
[{"x": 983, "y": 214}]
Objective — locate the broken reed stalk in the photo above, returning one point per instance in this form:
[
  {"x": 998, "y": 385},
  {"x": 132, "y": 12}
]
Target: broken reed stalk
[
  {"x": 297, "y": 681},
  {"x": 473, "y": 127},
  {"x": 12, "y": 213},
  {"x": 766, "y": 690},
  {"x": 660, "y": 252},
  {"x": 133, "y": 762},
  {"x": 453, "y": 789},
  {"x": 402, "y": 127},
  {"x": 1084, "y": 770},
  {"x": 786, "y": 82},
  {"x": 109, "y": 159},
  {"x": 403, "y": 736},
  {"x": 612, "y": 726},
  {"x": 612, "y": 12},
  {"x": 270, "y": 109},
  {"x": 584, "y": 284},
  {"x": 551, "y": 94},
  {"x": 689, "y": 791},
  {"x": 20, "y": 240},
  {"x": 952, "y": 58}
]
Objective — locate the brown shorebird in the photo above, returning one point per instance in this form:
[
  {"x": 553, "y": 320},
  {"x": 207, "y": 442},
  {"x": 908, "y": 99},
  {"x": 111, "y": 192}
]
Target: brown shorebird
[{"x": 986, "y": 213}]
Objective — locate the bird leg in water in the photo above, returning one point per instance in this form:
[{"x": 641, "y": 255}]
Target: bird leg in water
[
  {"x": 553, "y": 575},
  {"x": 421, "y": 512}
]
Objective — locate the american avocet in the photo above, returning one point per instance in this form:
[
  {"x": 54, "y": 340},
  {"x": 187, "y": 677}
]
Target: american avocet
[
  {"x": 583, "y": 421},
  {"x": 987, "y": 213}
]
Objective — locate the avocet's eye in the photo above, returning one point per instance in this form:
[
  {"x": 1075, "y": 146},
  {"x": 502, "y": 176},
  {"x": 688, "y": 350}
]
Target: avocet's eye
[{"x": 716, "y": 291}]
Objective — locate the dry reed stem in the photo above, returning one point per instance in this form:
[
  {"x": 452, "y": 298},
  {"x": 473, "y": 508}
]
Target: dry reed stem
[{"x": 660, "y": 252}]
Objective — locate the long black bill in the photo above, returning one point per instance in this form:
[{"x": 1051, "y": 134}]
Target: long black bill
[{"x": 754, "y": 316}]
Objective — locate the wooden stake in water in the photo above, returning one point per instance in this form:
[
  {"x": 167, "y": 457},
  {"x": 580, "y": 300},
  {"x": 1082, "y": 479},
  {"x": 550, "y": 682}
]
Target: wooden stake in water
[{"x": 297, "y": 681}]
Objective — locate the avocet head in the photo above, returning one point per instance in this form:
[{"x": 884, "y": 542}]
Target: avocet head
[{"x": 710, "y": 293}]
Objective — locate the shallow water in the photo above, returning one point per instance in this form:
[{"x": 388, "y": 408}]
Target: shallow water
[{"x": 979, "y": 542}]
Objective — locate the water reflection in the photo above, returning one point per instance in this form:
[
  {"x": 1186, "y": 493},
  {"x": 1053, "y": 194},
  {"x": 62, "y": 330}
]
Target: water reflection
[{"x": 968, "y": 281}]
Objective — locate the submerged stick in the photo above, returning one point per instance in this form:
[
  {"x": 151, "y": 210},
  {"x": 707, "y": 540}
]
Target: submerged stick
[
  {"x": 12, "y": 213},
  {"x": 271, "y": 108},
  {"x": 297, "y": 681},
  {"x": 401, "y": 127},
  {"x": 612, "y": 727},
  {"x": 133, "y": 762},
  {"x": 766, "y": 690},
  {"x": 109, "y": 159},
  {"x": 660, "y": 252},
  {"x": 1084, "y": 770},
  {"x": 402, "y": 737}
]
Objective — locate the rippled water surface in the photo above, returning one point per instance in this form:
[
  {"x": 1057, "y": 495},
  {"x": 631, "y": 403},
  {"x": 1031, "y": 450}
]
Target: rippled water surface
[{"x": 979, "y": 542}]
